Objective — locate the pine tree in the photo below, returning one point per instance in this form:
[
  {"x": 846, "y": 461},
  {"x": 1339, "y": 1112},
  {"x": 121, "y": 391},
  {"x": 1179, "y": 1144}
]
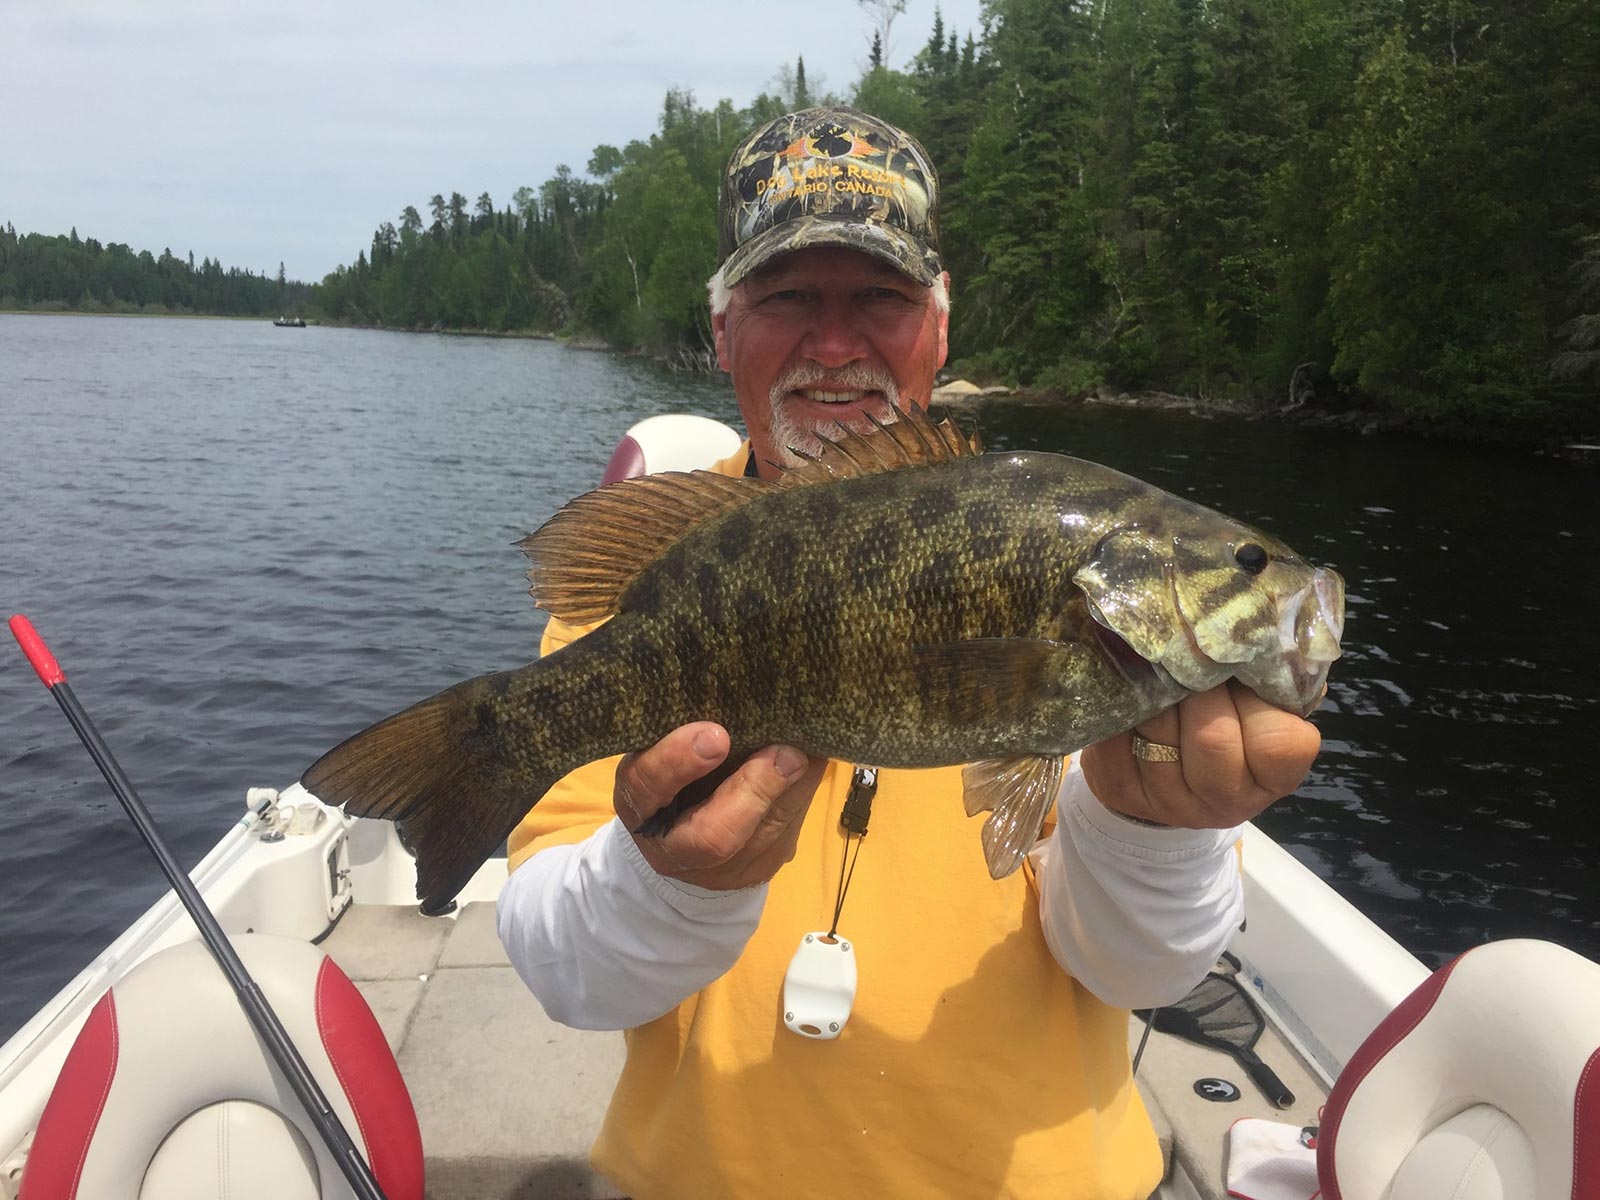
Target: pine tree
[
  {"x": 883, "y": 14},
  {"x": 1025, "y": 209},
  {"x": 1455, "y": 189}
]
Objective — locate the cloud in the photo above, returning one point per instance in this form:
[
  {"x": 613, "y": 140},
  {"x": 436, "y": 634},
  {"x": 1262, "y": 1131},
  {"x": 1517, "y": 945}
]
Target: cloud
[{"x": 287, "y": 131}]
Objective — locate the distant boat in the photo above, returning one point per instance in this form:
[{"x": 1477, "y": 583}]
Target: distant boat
[{"x": 290, "y": 323}]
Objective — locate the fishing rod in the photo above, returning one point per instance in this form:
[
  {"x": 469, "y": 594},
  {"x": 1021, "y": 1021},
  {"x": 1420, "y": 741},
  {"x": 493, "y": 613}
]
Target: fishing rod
[{"x": 355, "y": 1169}]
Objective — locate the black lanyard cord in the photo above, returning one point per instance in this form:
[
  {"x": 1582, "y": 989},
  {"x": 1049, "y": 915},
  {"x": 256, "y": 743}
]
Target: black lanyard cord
[
  {"x": 853, "y": 821},
  {"x": 844, "y": 881}
]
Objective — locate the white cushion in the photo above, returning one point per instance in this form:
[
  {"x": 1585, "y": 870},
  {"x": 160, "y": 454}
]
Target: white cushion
[
  {"x": 1483, "y": 1084},
  {"x": 1479, "y": 1154},
  {"x": 232, "y": 1151}
]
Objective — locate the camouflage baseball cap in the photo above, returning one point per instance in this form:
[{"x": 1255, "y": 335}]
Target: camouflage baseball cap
[{"x": 830, "y": 176}]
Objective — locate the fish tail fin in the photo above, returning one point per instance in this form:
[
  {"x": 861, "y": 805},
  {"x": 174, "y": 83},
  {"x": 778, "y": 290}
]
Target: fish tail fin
[{"x": 436, "y": 770}]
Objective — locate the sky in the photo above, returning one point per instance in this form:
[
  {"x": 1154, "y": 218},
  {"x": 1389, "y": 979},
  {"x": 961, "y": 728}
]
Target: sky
[{"x": 287, "y": 131}]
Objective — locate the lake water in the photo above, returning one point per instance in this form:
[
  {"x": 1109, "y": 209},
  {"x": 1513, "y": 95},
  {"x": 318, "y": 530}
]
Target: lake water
[{"x": 244, "y": 543}]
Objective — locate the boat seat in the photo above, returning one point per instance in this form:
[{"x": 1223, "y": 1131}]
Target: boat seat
[
  {"x": 168, "y": 1094},
  {"x": 670, "y": 442},
  {"x": 1483, "y": 1084}
]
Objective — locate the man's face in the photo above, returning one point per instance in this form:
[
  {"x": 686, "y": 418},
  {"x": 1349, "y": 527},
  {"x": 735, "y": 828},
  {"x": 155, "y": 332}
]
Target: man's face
[{"x": 824, "y": 335}]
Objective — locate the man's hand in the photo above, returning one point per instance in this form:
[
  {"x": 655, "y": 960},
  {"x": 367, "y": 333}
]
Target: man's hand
[
  {"x": 743, "y": 833},
  {"x": 1237, "y": 755}
]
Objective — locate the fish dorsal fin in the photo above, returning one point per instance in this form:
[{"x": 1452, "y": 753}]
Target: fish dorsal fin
[
  {"x": 915, "y": 439},
  {"x": 586, "y": 555}
]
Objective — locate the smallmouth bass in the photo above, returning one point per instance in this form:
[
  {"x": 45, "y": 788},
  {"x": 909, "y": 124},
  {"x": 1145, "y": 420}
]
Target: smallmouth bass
[{"x": 902, "y": 600}]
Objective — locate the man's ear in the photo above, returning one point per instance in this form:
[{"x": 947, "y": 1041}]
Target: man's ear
[{"x": 719, "y": 333}]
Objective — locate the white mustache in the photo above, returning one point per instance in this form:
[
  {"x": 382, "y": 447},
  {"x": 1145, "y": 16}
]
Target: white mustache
[{"x": 853, "y": 377}]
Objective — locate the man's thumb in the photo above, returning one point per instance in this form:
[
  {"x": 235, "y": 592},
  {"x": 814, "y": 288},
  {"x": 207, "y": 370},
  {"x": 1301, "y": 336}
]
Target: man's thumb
[{"x": 647, "y": 780}]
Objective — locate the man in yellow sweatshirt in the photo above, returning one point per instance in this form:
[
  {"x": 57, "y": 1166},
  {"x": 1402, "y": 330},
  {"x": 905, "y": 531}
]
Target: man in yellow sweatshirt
[{"x": 811, "y": 1013}]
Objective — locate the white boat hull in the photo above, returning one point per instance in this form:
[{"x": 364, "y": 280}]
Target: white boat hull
[{"x": 1324, "y": 973}]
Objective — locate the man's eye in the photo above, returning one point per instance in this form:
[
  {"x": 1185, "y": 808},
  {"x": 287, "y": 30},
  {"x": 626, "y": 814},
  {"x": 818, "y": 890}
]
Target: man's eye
[
  {"x": 787, "y": 295},
  {"x": 885, "y": 293}
]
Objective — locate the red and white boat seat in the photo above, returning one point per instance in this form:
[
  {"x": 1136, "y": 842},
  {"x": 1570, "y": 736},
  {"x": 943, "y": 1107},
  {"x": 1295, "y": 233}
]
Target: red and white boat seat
[
  {"x": 1483, "y": 1084},
  {"x": 168, "y": 1094},
  {"x": 671, "y": 442}
]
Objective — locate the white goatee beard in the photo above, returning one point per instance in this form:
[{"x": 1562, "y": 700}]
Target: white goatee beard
[{"x": 791, "y": 432}]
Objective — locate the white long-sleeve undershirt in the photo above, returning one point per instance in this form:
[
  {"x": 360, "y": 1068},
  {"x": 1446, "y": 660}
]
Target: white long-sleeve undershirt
[{"x": 1137, "y": 914}]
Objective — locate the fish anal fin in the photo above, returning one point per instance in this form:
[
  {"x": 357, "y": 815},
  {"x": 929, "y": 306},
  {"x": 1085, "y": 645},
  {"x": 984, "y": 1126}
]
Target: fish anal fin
[
  {"x": 1017, "y": 793},
  {"x": 584, "y": 557},
  {"x": 915, "y": 438}
]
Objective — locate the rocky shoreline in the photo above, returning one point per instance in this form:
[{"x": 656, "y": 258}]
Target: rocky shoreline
[{"x": 958, "y": 393}]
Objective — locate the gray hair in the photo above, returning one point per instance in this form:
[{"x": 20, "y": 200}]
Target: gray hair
[{"x": 719, "y": 293}]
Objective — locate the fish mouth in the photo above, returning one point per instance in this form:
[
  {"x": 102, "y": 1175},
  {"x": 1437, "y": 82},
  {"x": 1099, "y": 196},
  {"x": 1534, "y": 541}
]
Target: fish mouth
[
  {"x": 1296, "y": 634},
  {"x": 1310, "y": 626},
  {"x": 1289, "y": 671}
]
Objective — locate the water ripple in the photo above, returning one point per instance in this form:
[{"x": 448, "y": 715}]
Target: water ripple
[{"x": 262, "y": 550}]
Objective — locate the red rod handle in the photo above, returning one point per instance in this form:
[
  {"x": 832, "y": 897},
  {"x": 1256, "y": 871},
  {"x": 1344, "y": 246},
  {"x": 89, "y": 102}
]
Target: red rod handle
[{"x": 50, "y": 672}]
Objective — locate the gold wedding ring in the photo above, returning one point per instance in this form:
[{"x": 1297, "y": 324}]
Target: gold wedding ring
[{"x": 1150, "y": 751}]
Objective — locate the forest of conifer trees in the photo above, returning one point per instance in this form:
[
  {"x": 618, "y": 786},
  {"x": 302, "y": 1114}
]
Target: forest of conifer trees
[
  {"x": 1393, "y": 202},
  {"x": 42, "y": 273},
  {"x": 1392, "y": 205}
]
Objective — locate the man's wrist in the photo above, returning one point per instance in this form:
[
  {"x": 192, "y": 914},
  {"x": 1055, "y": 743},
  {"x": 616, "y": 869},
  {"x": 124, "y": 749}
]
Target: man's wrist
[{"x": 690, "y": 900}]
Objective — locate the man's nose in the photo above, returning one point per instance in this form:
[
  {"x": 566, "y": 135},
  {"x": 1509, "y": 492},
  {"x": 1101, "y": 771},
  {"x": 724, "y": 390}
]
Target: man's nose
[{"x": 834, "y": 338}]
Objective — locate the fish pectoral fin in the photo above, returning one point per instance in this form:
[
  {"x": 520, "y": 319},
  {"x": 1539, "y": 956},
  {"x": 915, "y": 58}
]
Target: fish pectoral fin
[
  {"x": 1006, "y": 679},
  {"x": 1018, "y": 793},
  {"x": 584, "y": 557}
]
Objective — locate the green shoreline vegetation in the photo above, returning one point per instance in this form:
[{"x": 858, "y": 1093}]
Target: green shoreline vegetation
[
  {"x": 1385, "y": 211},
  {"x": 41, "y": 274},
  {"x": 60, "y": 309}
]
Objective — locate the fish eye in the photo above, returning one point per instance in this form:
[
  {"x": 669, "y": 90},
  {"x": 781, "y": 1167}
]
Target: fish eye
[{"x": 1251, "y": 557}]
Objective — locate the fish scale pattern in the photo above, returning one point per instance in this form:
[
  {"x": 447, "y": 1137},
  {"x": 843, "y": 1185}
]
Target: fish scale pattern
[{"x": 901, "y": 600}]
